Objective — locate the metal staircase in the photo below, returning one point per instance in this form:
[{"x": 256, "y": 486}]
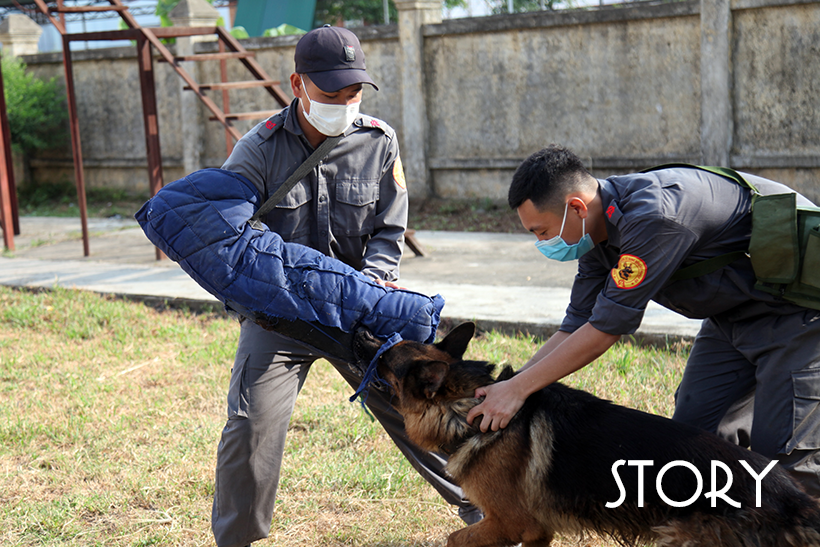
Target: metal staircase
[{"x": 149, "y": 40}]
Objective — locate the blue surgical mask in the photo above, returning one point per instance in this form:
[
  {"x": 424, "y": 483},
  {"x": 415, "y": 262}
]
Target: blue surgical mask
[{"x": 558, "y": 249}]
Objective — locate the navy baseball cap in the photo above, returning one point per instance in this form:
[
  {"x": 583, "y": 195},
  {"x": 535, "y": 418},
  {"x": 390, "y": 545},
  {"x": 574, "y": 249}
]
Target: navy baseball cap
[{"x": 332, "y": 58}]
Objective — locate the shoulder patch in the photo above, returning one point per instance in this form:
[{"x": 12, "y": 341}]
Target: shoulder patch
[
  {"x": 613, "y": 213},
  {"x": 629, "y": 273},
  {"x": 373, "y": 123},
  {"x": 398, "y": 173},
  {"x": 271, "y": 126}
]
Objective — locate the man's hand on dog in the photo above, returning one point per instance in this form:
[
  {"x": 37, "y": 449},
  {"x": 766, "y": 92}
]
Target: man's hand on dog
[
  {"x": 501, "y": 402},
  {"x": 563, "y": 354}
]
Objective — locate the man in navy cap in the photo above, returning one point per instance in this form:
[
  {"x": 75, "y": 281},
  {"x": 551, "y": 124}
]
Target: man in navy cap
[{"x": 353, "y": 207}]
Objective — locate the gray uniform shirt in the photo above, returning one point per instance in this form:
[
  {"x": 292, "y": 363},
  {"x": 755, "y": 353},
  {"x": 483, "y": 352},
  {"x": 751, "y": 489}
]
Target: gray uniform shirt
[
  {"x": 352, "y": 206},
  {"x": 657, "y": 223}
]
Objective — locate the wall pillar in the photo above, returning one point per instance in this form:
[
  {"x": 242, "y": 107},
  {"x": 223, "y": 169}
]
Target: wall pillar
[
  {"x": 716, "y": 126},
  {"x": 412, "y": 15},
  {"x": 19, "y": 35},
  {"x": 192, "y": 13}
]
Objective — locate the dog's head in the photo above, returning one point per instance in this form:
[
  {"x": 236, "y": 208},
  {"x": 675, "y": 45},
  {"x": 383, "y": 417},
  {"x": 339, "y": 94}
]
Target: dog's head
[{"x": 423, "y": 371}]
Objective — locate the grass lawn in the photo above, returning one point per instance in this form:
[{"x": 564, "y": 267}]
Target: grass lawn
[{"x": 112, "y": 413}]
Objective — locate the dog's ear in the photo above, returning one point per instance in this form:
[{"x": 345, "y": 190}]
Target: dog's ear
[
  {"x": 506, "y": 373},
  {"x": 431, "y": 377},
  {"x": 457, "y": 340}
]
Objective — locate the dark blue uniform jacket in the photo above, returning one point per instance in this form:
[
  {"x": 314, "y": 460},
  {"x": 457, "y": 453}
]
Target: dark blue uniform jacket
[{"x": 657, "y": 223}]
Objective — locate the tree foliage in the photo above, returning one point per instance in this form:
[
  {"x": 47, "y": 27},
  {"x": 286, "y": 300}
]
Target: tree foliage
[
  {"x": 164, "y": 8},
  {"x": 36, "y": 108},
  {"x": 369, "y": 12},
  {"x": 521, "y": 6}
]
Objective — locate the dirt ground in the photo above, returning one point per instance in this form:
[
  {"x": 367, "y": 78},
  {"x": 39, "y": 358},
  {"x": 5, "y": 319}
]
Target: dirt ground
[{"x": 464, "y": 216}]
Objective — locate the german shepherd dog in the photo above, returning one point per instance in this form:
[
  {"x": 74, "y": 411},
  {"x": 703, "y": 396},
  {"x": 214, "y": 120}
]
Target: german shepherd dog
[{"x": 554, "y": 468}]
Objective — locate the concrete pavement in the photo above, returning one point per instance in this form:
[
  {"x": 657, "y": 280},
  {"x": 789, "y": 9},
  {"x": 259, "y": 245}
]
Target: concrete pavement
[{"x": 499, "y": 280}]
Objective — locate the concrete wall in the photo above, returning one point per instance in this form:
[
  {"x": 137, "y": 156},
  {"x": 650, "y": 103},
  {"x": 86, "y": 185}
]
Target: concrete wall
[
  {"x": 776, "y": 93},
  {"x": 625, "y": 87},
  {"x": 109, "y": 108},
  {"x": 619, "y": 92}
]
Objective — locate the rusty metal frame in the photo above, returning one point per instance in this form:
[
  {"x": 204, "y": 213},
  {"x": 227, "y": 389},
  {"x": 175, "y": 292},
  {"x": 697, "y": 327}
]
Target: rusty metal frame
[
  {"x": 9, "y": 216},
  {"x": 73, "y": 122},
  {"x": 226, "y": 105},
  {"x": 147, "y": 39},
  {"x": 76, "y": 146},
  {"x": 150, "y": 118}
]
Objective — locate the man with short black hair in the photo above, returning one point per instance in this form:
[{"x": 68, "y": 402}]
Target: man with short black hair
[
  {"x": 561, "y": 167},
  {"x": 753, "y": 374},
  {"x": 353, "y": 207}
]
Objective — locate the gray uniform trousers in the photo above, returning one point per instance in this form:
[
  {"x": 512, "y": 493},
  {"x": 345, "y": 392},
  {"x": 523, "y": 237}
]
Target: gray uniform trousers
[
  {"x": 756, "y": 382},
  {"x": 268, "y": 374}
]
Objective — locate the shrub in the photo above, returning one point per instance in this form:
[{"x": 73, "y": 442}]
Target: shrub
[{"x": 36, "y": 108}]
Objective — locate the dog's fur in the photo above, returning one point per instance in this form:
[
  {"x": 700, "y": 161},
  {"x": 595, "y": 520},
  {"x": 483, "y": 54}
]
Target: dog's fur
[{"x": 550, "y": 469}]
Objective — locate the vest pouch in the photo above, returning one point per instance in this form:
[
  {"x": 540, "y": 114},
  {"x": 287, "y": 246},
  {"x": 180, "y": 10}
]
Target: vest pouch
[
  {"x": 804, "y": 290},
  {"x": 810, "y": 272},
  {"x": 774, "y": 246}
]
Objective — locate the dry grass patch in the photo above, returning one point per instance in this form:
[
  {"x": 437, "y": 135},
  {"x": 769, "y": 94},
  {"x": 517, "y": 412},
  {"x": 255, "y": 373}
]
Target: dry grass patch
[{"x": 113, "y": 410}]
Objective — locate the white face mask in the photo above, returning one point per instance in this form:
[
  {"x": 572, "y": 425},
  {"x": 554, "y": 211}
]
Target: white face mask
[{"x": 329, "y": 119}]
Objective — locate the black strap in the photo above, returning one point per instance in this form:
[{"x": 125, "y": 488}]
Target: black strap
[
  {"x": 313, "y": 160},
  {"x": 721, "y": 261},
  {"x": 724, "y": 172},
  {"x": 706, "y": 266}
]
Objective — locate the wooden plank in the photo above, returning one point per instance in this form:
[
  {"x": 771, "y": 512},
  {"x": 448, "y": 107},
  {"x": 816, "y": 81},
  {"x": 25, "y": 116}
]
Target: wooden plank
[
  {"x": 85, "y": 9},
  {"x": 414, "y": 244},
  {"x": 211, "y": 57},
  {"x": 238, "y": 85},
  {"x": 258, "y": 115},
  {"x": 181, "y": 32},
  {"x": 102, "y": 35}
]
